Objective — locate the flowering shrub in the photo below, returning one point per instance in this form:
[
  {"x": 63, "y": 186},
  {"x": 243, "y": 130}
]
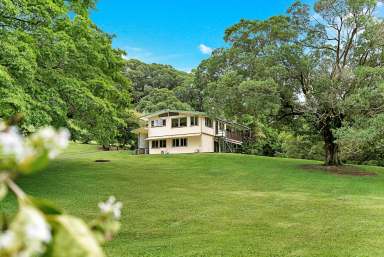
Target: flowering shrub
[{"x": 38, "y": 228}]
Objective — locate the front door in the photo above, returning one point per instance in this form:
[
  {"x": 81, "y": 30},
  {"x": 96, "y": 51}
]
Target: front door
[{"x": 216, "y": 147}]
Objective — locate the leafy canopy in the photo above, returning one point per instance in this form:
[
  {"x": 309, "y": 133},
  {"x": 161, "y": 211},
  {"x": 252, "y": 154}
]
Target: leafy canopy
[{"x": 58, "y": 68}]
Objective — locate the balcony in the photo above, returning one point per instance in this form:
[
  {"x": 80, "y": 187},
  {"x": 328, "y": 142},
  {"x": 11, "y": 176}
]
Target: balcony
[{"x": 230, "y": 135}]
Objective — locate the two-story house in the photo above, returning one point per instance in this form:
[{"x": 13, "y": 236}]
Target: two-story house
[{"x": 170, "y": 131}]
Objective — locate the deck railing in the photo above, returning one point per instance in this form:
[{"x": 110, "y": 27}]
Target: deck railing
[
  {"x": 142, "y": 151},
  {"x": 230, "y": 135}
]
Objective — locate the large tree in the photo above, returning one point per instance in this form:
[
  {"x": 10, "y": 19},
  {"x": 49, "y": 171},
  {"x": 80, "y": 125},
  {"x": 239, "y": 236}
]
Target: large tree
[
  {"x": 58, "y": 68},
  {"x": 147, "y": 77},
  {"x": 161, "y": 99},
  {"x": 328, "y": 64}
]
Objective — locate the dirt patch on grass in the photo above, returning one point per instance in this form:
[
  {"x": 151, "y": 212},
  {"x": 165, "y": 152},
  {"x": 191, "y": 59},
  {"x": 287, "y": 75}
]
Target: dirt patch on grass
[
  {"x": 102, "y": 160},
  {"x": 344, "y": 170}
]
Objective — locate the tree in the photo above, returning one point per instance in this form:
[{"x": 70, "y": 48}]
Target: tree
[
  {"x": 363, "y": 143},
  {"x": 322, "y": 64},
  {"x": 160, "y": 99},
  {"x": 58, "y": 68},
  {"x": 146, "y": 77},
  {"x": 191, "y": 92}
]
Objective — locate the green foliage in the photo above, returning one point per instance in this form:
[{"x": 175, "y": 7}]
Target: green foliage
[
  {"x": 266, "y": 141},
  {"x": 363, "y": 143},
  {"x": 147, "y": 77},
  {"x": 160, "y": 99},
  {"x": 233, "y": 96},
  {"x": 191, "y": 91},
  {"x": 301, "y": 147},
  {"x": 323, "y": 72},
  {"x": 73, "y": 238},
  {"x": 58, "y": 68}
]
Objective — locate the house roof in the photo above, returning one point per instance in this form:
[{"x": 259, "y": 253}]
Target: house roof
[
  {"x": 153, "y": 114},
  {"x": 150, "y": 115}
]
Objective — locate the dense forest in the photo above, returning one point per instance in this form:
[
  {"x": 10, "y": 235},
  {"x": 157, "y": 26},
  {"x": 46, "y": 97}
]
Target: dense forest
[{"x": 309, "y": 83}]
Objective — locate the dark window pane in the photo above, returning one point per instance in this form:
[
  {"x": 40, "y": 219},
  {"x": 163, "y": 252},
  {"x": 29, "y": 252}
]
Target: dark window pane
[
  {"x": 155, "y": 144},
  {"x": 183, "y": 142},
  {"x": 175, "y": 123},
  {"x": 173, "y": 113},
  {"x": 194, "y": 121},
  {"x": 208, "y": 122},
  {"x": 183, "y": 122}
]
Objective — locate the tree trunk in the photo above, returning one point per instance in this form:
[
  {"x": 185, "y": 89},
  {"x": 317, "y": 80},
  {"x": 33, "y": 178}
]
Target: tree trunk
[{"x": 332, "y": 151}]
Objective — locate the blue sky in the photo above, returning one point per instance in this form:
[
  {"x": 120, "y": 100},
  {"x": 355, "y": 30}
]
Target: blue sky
[{"x": 180, "y": 33}]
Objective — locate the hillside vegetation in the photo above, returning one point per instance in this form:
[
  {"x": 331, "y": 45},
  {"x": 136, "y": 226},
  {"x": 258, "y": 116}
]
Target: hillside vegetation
[{"x": 219, "y": 204}]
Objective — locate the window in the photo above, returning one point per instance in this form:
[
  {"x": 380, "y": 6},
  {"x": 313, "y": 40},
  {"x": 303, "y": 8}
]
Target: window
[
  {"x": 179, "y": 122},
  {"x": 163, "y": 143},
  {"x": 158, "y": 123},
  {"x": 221, "y": 126},
  {"x": 194, "y": 121},
  {"x": 179, "y": 142},
  {"x": 208, "y": 122},
  {"x": 183, "y": 122},
  {"x": 159, "y": 143},
  {"x": 175, "y": 123},
  {"x": 155, "y": 144}
]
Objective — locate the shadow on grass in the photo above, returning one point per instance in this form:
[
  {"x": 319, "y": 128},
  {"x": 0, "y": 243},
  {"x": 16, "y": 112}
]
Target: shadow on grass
[{"x": 342, "y": 170}]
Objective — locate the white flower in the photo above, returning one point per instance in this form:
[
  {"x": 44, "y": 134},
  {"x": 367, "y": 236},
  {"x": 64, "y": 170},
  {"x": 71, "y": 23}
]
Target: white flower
[
  {"x": 53, "y": 141},
  {"x": 36, "y": 228},
  {"x": 32, "y": 230},
  {"x": 63, "y": 136},
  {"x": 7, "y": 239},
  {"x": 111, "y": 206},
  {"x": 12, "y": 144}
]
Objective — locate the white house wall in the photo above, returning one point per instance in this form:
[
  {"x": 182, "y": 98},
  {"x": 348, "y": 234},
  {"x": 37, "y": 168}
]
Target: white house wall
[
  {"x": 169, "y": 131},
  {"x": 194, "y": 145},
  {"x": 207, "y": 143},
  {"x": 207, "y": 130}
]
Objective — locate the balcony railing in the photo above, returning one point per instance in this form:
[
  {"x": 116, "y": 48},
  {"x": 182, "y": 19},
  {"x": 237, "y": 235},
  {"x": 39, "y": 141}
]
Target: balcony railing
[
  {"x": 230, "y": 135},
  {"x": 142, "y": 151}
]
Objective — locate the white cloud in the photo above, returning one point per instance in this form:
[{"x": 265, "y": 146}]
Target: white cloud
[
  {"x": 205, "y": 49},
  {"x": 136, "y": 53}
]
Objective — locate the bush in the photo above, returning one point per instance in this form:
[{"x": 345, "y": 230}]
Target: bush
[{"x": 301, "y": 147}]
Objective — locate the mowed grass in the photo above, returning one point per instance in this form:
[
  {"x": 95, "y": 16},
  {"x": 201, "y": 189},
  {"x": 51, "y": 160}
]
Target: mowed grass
[{"x": 219, "y": 204}]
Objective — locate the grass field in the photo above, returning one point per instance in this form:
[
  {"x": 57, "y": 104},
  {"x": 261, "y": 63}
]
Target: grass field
[{"x": 219, "y": 204}]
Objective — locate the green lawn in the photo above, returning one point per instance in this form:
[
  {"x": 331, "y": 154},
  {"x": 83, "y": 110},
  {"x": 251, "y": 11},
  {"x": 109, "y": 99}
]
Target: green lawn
[{"x": 219, "y": 204}]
